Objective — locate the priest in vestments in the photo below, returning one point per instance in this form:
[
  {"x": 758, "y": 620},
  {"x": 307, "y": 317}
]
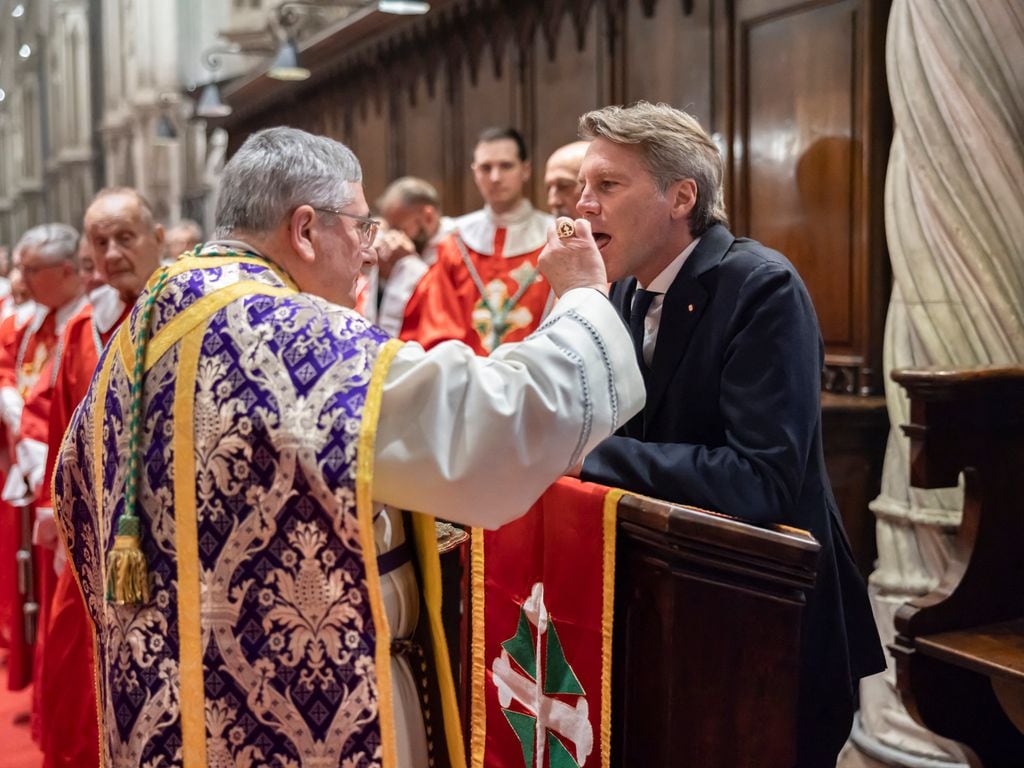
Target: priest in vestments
[
  {"x": 231, "y": 488},
  {"x": 485, "y": 288},
  {"x": 125, "y": 244},
  {"x": 46, "y": 256}
]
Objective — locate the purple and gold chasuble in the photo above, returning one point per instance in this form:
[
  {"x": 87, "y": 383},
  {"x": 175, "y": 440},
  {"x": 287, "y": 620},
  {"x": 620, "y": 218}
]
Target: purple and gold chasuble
[{"x": 264, "y": 642}]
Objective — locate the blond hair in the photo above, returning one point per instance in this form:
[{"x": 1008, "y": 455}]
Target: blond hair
[{"x": 674, "y": 147}]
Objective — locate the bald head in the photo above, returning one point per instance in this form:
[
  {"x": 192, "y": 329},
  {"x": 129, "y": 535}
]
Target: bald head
[
  {"x": 126, "y": 243},
  {"x": 561, "y": 178}
]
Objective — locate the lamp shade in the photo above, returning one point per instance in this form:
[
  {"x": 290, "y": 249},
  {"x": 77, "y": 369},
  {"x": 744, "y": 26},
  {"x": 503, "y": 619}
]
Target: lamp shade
[
  {"x": 286, "y": 64},
  {"x": 210, "y": 104},
  {"x": 403, "y": 7}
]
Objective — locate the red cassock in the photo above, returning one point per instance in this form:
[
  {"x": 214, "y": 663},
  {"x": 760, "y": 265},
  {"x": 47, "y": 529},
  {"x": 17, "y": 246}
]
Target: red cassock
[
  {"x": 35, "y": 423},
  {"x": 484, "y": 289},
  {"x": 448, "y": 302},
  {"x": 68, "y": 679},
  {"x": 8, "y": 535},
  {"x": 25, "y": 347}
]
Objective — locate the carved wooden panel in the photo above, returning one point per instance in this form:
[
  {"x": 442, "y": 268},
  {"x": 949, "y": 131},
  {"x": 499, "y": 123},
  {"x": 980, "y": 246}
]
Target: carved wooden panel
[
  {"x": 807, "y": 174},
  {"x": 799, "y": 168},
  {"x": 370, "y": 141},
  {"x": 669, "y": 55},
  {"x": 686, "y": 677},
  {"x": 422, "y": 127},
  {"x": 564, "y": 87},
  {"x": 486, "y": 98}
]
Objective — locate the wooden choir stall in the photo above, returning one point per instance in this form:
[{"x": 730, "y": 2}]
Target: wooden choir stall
[
  {"x": 960, "y": 650},
  {"x": 693, "y": 590}
]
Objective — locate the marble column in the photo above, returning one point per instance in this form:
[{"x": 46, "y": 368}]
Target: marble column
[{"x": 954, "y": 215}]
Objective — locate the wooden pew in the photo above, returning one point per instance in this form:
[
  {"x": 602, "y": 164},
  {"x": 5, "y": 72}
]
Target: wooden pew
[
  {"x": 707, "y": 636},
  {"x": 959, "y": 650}
]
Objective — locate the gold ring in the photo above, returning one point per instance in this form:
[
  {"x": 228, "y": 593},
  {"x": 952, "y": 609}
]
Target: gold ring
[{"x": 566, "y": 229}]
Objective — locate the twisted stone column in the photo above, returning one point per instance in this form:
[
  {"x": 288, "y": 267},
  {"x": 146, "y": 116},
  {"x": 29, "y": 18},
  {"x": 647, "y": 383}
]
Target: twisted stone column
[{"x": 954, "y": 215}]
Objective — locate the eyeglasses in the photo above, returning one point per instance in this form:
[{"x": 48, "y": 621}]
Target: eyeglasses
[{"x": 368, "y": 225}]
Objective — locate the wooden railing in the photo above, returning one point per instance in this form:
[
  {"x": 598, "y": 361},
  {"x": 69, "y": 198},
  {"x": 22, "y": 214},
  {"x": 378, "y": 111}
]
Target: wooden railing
[{"x": 707, "y": 636}]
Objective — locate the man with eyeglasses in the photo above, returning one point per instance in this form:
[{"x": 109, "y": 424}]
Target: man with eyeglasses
[
  {"x": 232, "y": 486},
  {"x": 46, "y": 256},
  {"x": 485, "y": 288}
]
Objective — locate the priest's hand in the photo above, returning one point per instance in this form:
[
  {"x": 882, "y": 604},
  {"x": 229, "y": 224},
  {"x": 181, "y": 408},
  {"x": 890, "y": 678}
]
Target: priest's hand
[
  {"x": 392, "y": 245},
  {"x": 571, "y": 258}
]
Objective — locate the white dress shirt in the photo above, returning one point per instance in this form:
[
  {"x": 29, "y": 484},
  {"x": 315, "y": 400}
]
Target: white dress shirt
[{"x": 660, "y": 285}]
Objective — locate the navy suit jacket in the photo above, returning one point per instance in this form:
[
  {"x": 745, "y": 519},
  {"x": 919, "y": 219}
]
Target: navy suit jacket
[{"x": 733, "y": 424}]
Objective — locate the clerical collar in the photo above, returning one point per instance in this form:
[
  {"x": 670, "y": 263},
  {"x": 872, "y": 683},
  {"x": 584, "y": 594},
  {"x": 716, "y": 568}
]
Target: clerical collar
[
  {"x": 526, "y": 230},
  {"x": 667, "y": 276},
  {"x": 517, "y": 215},
  {"x": 107, "y": 307}
]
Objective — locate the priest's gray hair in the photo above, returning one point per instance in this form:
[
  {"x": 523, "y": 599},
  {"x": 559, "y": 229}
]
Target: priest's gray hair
[
  {"x": 278, "y": 169},
  {"x": 674, "y": 147},
  {"x": 55, "y": 243}
]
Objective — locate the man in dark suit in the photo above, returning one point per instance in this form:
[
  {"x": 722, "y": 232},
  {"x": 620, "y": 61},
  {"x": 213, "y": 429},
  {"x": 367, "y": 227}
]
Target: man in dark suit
[{"x": 731, "y": 352}]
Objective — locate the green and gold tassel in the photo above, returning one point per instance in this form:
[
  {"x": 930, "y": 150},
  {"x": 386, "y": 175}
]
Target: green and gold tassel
[{"x": 127, "y": 570}]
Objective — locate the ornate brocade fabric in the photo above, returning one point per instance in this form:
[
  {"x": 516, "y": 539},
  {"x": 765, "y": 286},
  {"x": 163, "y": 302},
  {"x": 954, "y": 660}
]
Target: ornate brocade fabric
[{"x": 282, "y": 621}]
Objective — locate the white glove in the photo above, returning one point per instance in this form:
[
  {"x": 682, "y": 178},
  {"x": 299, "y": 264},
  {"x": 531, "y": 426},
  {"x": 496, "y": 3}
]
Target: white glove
[
  {"x": 31, "y": 455},
  {"x": 11, "y": 405},
  {"x": 15, "y": 490}
]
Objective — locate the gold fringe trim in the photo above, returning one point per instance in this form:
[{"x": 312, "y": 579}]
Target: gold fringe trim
[
  {"x": 610, "y": 520},
  {"x": 364, "y": 512},
  {"x": 186, "y": 542},
  {"x": 102, "y": 385},
  {"x": 478, "y": 710}
]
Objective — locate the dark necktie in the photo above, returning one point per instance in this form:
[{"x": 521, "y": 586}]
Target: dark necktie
[{"x": 641, "y": 303}]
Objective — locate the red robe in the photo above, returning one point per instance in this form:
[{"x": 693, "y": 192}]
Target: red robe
[
  {"x": 68, "y": 680},
  {"x": 9, "y": 601},
  {"x": 37, "y": 360},
  {"x": 448, "y": 302},
  {"x": 35, "y": 422},
  {"x": 25, "y": 347}
]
